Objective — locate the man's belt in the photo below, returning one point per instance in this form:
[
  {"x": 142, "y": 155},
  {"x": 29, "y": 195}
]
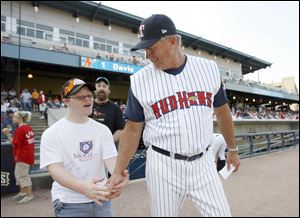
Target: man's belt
[{"x": 178, "y": 156}]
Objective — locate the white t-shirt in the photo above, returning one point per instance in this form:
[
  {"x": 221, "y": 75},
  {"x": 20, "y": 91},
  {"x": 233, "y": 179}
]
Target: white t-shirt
[
  {"x": 81, "y": 148},
  {"x": 218, "y": 146}
]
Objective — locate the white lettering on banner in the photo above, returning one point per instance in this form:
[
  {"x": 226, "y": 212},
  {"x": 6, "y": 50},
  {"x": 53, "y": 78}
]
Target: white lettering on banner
[
  {"x": 5, "y": 178},
  {"x": 123, "y": 68},
  {"x": 30, "y": 141}
]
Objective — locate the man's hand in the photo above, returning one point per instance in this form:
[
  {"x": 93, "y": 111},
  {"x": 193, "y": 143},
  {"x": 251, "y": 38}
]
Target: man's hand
[
  {"x": 118, "y": 181},
  {"x": 114, "y": 194},
  {"x": 233, "y": 158}
]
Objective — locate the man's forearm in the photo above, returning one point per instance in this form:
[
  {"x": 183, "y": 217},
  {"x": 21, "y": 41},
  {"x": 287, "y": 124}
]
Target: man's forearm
[
  {"x": 225, "y": 124},
  {"x": 128, "y": 145},
  {"x": 117, "y": 135}
]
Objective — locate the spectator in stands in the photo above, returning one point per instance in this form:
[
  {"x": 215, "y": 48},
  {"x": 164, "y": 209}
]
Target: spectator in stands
[
  {"x": 5, "y": 39},
  {"x": 8, "y": 122},
  {"x": 56, "y": 103},
  {"x": 78, "y": 170},
  {"x": 65, "y": 47},
  {"x": 281, "y": 115},
  {"x": 110, "y": 56},
  {"x": 4, "y": 94},
  {"x": 42, "y": 104},
  {"x": 23, "y": 151},
  {"x": 105, "y": 111},
  {"x": 4, "y": 106},
  {"x": 12, "y": 93},
  {"x": 14, "y": 105},
  {"x": 35, "y": 100},
  {"x": 26, "y": 100},
  {"x": 134, "y": 60},
  {"x": 98, "y": 56}
]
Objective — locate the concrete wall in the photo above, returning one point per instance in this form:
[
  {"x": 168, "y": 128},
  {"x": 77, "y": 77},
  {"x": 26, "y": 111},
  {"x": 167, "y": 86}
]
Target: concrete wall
[{"x": 255, "y": 126}]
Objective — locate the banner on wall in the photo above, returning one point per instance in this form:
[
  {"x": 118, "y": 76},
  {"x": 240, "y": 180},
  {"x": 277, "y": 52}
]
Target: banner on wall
[{"x": 113, "y": 66}]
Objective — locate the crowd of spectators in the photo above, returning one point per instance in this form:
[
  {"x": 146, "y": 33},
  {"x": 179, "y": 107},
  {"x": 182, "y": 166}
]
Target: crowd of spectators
[
  {"x": 28, "y": 101},
  {"x": 37, "y": 101},
  {"x": 262, "y": 113}
]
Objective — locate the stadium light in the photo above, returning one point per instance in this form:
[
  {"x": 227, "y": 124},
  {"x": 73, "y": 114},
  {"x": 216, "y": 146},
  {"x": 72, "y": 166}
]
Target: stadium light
[
  {"x": 107, "y": 23},
  {"x": 29, "y": 76},
  {"x": 253, "y": 100},
  {"x": 233, "y": 98},
  {"x": 76, "y": 15},
  {"x": 35, "y": 4}
]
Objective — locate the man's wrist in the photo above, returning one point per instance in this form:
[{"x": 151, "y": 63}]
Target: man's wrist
[{"x": 235, "y": 149}]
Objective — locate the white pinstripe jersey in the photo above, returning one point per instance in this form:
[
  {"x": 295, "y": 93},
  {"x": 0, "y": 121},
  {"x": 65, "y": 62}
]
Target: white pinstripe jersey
[{"x": 178, "y": 109}]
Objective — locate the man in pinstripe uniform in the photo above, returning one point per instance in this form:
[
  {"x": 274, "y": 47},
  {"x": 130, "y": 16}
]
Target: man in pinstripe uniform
[{"x": 175, "y": 97}]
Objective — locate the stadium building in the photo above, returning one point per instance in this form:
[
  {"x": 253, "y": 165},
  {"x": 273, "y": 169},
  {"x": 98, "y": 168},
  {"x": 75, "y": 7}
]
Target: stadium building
[{"x": 45, "y": 43}]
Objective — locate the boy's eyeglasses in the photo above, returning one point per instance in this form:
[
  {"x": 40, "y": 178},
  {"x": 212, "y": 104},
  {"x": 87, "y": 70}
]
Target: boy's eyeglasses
[{"x": 83, "y": 97}]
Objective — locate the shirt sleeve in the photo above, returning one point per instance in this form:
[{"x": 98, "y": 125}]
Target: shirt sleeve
[
  {"x": 220, "y": 98},
  {"x": 134, "y": 110}
]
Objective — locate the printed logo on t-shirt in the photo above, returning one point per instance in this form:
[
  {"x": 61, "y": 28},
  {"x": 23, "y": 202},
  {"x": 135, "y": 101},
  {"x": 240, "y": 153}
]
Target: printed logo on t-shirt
[
  {"x": 99, "y": 116},
  {"x": 86, "y": 147}
]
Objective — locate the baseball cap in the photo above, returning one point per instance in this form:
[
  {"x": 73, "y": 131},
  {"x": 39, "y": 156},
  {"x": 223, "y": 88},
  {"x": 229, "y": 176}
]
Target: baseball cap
[
  {"x": 73, "y": 86},
  {"x": 102, "y": 79},
  {"x": 153, "y": 29}
]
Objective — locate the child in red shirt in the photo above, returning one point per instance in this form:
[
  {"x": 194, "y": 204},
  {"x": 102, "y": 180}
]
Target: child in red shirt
[{"x": 23, "y": 153}]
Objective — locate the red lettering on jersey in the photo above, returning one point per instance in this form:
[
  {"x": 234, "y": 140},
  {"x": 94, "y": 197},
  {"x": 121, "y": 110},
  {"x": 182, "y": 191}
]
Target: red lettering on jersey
[
  {"x": 173, "y": 102},
  {"x": 164, "y": 106},
  {"x": 201, "y": 98},
  {"x": 156, "y": 110},
  {"x": 183, "y": 100},
  {"x": 208, "y": 98}
]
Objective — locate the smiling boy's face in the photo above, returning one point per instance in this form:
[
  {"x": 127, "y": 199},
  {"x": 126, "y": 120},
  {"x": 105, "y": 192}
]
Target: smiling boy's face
[{"x": 82, "y": 102}]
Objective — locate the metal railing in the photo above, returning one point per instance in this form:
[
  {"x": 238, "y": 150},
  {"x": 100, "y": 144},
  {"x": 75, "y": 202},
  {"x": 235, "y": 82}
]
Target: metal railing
[
  {"x": 253, "y": 144},
  {"x": 250, "y": 144}
]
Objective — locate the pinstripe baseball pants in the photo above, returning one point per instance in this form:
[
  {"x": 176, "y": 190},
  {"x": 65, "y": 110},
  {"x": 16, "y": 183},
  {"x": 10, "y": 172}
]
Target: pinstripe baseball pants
[{"x": 169, "y": 181}]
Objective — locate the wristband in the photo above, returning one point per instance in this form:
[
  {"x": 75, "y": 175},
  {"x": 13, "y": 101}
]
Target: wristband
[{"x": 233, "y": 149}]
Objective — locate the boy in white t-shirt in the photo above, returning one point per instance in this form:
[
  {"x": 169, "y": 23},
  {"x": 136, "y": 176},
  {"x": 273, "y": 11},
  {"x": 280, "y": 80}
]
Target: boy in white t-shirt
[
  {"x": 218, "y": 149},
  {"x": 77, "y": 151}
]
